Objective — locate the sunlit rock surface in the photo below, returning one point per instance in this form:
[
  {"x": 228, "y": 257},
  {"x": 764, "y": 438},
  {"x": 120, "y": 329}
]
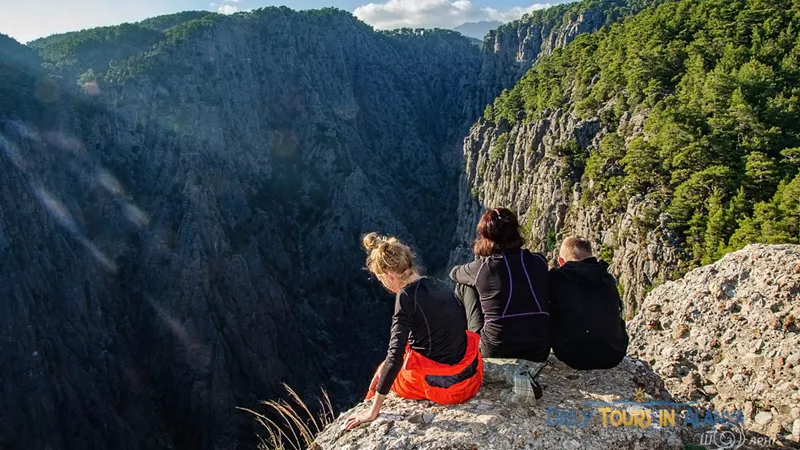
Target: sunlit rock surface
[
  {"x": 492, "y": 420},
  {"x": 726, "y": 336},
  {"x": 181, "y": 202}
]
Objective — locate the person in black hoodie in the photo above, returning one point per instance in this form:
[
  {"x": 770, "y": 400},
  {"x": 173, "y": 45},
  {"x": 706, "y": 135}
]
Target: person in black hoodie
[
  {"x": 504, "y": 291},
  {"x": 586, "y": 327}
]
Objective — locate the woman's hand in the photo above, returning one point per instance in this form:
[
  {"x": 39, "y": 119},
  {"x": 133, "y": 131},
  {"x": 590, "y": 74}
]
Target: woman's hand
[
  {"x": 358, "y": 419},
  {"x": 366, "y": 416}
]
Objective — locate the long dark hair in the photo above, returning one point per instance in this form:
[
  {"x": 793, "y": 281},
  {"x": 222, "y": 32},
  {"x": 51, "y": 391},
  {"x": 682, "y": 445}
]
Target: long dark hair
[{"x": 498, "y": 231}]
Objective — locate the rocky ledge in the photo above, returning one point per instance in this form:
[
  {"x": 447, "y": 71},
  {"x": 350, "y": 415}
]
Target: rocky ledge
[
  {"x": 723, "y": 339},
  {"x": 493, "y": 420},
  {"x": 727, "y": 336}
]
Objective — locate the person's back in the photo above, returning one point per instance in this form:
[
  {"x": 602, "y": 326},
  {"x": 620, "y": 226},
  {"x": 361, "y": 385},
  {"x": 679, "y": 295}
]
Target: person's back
[
  {"x": 515, "y": 320},
  {"x": 436, "y": 320},
  {"x": 586, "y": 328},
  {"x": 505, "y": 291}
]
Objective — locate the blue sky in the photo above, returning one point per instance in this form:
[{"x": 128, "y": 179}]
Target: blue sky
[{"x": 30, "y": 19}]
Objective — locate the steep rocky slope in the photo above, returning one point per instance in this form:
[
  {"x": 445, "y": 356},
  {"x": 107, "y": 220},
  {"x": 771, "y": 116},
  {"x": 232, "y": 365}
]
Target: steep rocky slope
[
  {"x": 650, "y": 139},
  {"x": 181, "y": 202},
  {"x": 533, "y": 178},
  {"x": 510, "y": 50},
  {"x": 179, "y": 233},
  {"x": 181, "y": 205},
  {"x": 727, "y": 336}
]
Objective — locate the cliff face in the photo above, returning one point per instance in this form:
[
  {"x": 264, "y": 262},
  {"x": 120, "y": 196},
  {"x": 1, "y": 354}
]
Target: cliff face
[
  {"x": 182, "y": 201},
  {"x": 608, "y": 139},
  {"x": 531, "y": 177},
  {"x": 510, "y": 50},
  {"x": 180, "y": 233},
  {"x": 524, "y": 168}
]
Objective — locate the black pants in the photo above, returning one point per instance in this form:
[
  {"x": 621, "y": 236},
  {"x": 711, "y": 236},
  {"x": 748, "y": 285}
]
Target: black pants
[{"x": 472, "y": 305}]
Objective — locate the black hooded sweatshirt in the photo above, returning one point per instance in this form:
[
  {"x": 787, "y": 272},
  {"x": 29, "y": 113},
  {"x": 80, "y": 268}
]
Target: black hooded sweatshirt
[{"x": 587, "y": 331}]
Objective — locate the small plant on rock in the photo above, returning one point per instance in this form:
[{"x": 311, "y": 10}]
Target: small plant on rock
[{"x": 295, "y": 427}]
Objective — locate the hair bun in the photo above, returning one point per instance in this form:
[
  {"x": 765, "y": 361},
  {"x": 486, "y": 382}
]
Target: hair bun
[{"x": 372, "y": 241}]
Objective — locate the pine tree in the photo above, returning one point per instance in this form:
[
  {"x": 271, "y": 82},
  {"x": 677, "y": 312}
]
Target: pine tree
[
  {"x": 714, "y": 241},
  {"x": 762, "y": 174}
]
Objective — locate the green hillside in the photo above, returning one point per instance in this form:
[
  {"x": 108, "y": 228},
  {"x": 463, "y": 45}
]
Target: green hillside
[{"x": 719, "y": 82}]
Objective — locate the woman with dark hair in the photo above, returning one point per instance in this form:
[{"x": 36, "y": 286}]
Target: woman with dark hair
[{"x": 505, "y": 291}]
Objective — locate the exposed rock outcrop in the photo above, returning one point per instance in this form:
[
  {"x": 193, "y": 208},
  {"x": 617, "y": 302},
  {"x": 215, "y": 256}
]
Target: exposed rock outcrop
[
  {"x": 510, "y": 50},
  {"x": 191, "y": 209},
  {"x": 724, "y": 338},
  {"x": 181, "y": 203},
  {"x": 728, "y": 336},
  {"x": 523, "y": 168},
  {"x": 492, "y": 420}
]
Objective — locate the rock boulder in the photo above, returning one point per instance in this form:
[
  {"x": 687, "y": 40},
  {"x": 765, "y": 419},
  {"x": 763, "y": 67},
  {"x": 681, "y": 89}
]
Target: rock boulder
[
  {"x": 493, "y": 420},
  {"x": 726, "y": 336}
]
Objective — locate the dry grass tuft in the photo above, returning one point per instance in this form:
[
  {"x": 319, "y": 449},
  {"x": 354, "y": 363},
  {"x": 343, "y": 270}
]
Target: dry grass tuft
[{"x": 296, "y": 426}]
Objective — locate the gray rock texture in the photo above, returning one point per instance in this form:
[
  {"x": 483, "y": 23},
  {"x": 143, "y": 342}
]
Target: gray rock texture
[
  {"x": 531, "y": 177},
  {"x": 181, "y": 205},
  {"x": 727, "y": 336},
  {"x": 181, "y": 202},
  {"x": 512, "y": 48},
  {"x": 492, "y": 420}
]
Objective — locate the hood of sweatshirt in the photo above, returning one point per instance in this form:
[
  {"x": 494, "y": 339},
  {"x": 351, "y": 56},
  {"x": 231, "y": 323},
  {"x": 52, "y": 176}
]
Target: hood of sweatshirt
[{"x": 589, "y": 269}]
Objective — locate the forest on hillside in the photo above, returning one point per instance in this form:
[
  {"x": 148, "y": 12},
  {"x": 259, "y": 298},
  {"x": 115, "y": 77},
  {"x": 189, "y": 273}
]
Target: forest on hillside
[{"x": 719, "y": 82}]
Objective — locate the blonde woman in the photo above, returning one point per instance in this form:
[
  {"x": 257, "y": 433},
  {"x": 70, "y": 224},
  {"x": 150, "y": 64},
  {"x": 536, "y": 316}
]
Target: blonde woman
[{"x": 431, "y": 354}]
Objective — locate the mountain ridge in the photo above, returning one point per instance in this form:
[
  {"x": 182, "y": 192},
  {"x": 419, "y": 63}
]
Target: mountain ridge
[
  {"x": 477, "y": 30},
  {"x": 207, "y": 229}
]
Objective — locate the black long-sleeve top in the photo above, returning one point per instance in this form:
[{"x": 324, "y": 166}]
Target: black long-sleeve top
[
  {"x": 429, "y": 317},
  {"x": 513, "y": 289}
]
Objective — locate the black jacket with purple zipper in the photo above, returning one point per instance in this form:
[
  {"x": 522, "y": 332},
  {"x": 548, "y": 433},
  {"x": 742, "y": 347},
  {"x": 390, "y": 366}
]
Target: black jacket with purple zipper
[{"x": 513, "y": 289}]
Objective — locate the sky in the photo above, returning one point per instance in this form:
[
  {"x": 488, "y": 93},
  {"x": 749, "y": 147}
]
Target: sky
[{"x": 30, "y": 19}]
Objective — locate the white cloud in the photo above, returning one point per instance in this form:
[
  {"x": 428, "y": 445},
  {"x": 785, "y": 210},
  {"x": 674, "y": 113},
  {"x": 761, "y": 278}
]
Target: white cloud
[
  {"x": 231, "y": 1},
  {"x": 515, "y": 12},
  {"x": 462, "y": 5},
  {"x": 435, "y": 13},
  {"x": 227, "y": 9},
  {"x": 417, "y": 13}
]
